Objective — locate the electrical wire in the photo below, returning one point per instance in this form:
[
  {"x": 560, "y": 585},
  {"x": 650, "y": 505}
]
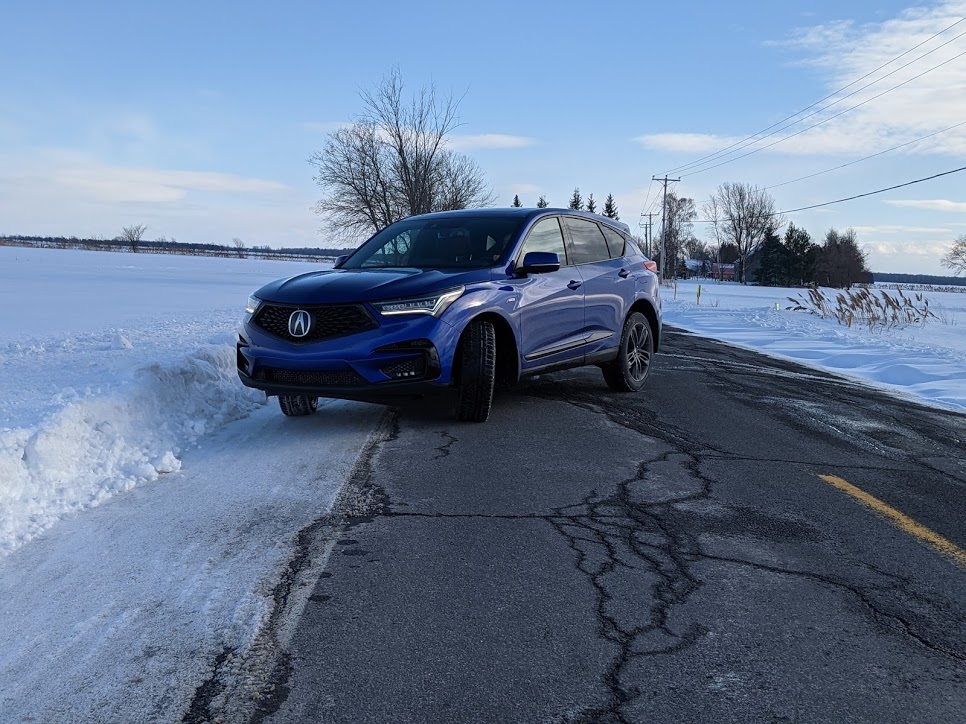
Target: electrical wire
[
  {"x": 864, "y": 158},
  {"x": 826, "y": 120},
  {"x": 755, "y": 136},
  {"x": 839, "y": 201}
]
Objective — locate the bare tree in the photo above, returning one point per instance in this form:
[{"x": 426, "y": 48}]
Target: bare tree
[
  {"x": 133, "y": 235},
  {"x": 239, "y": 247},
  {"x": 394, "y": 162},
  {"x": 742, "y": 215},
  {"x": 712, "y": 210},
  {"x": 679, "y": 216},
  {"x": 955, "y": 258}
]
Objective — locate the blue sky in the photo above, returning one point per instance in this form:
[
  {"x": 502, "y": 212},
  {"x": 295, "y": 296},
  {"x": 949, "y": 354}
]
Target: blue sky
[{"x": 197, "y": 119}]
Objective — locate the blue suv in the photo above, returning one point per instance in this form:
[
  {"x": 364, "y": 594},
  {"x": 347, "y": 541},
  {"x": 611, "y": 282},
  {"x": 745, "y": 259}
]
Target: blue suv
[{"x": 467, "y": 300}]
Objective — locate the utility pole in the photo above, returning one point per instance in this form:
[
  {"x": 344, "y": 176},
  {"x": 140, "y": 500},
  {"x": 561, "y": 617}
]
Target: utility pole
[
  {"x": 663, "y": 224},
  {"x": 647, "y": 230}
]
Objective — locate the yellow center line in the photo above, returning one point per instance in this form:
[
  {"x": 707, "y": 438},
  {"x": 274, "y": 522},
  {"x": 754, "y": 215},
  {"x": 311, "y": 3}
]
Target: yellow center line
[{"x": 902, "y": 521}]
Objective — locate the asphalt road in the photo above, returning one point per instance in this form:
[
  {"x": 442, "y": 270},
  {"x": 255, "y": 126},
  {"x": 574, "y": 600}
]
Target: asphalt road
[{"x": 669, "y": 556}]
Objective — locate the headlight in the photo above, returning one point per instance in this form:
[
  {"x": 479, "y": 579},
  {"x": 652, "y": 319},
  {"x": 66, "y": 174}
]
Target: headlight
[
  {"x": 434, "y": 304},
  {"x": 253, "y": 304}
]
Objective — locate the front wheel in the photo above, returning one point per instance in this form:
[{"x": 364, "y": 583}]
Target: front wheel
[
  {"x": 629, "y": 371},
  {"x": 477, "y": 372},
  {"x": 298, "y": 405}
]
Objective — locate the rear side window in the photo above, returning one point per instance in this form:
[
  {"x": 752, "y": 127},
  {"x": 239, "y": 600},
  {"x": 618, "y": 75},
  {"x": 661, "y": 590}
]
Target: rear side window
[
  {"x": 546, "y": 236},
  {"x": 615, "y": 242},
  {"x": 588, "y": 241},
  {"x": 632, "y": 248}
]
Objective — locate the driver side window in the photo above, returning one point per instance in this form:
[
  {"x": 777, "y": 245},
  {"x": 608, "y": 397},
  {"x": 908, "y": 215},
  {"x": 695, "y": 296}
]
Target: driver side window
[{"x": 546, "y": 236}]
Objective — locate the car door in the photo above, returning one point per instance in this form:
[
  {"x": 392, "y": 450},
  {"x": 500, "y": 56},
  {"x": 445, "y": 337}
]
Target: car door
[
  {"x": 551, "y": 305},
  {"x": 606, "y": 282}
]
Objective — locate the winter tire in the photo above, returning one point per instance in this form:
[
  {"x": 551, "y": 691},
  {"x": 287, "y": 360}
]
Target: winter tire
[
  {"x": 298, "y": 405},
  {"x": 629, "y": 371},
  {"x": 477, "y": 372}
]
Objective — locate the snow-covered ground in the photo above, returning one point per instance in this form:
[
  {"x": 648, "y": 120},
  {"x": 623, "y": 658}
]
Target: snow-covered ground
[
  {"x": 149, "y": 502},
  {"x": 927, "y": 362},
  {"x": 117, "y": 375}
]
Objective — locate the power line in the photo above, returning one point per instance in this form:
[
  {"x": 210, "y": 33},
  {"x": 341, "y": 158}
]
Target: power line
[
  {"x": 872, "y": 193},
  {"x": 755, "y": 136},
  {"x": 833, "y": 103},
  {"x": 830, "y": 118},
  {"x": 839, "y": 201},
  {"x": 864, "y": 158}
]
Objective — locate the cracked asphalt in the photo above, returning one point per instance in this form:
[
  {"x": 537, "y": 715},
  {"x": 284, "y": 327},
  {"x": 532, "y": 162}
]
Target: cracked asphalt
[{"x": 669, "y": 556}]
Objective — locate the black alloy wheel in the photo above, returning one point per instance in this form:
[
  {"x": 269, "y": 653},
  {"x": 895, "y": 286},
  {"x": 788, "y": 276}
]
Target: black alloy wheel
[{"x": 629, "y": 371}]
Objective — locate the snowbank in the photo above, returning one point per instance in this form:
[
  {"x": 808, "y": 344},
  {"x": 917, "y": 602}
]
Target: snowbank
[{"x": 96, "y": 447}]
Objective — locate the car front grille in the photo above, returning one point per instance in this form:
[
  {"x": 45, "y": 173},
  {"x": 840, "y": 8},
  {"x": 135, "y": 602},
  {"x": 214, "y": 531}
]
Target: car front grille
[
  {"x": 329, "y": 321},
  {"x": 309, "y": 378}
]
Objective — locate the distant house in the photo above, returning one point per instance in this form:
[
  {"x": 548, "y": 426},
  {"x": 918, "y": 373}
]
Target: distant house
[
  {"x": 697, "y": 267},
  {"x": 723, "y": 271}
]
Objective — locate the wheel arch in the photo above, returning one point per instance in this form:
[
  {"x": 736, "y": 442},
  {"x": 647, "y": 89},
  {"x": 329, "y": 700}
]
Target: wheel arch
[
  {"x": 644, "y": 307},
  {"x": 507, "y": 352}
]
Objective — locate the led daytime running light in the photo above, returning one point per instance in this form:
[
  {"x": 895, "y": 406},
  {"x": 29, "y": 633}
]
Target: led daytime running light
[{"x": 434, "y": 305}]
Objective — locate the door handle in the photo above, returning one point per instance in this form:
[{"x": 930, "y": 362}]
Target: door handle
[
  {"x": 574, "y": 284},
  {"x": 623, "y": 273}
]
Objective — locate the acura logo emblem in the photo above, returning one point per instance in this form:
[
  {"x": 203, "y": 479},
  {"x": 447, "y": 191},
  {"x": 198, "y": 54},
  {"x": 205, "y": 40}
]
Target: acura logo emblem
[{"x": 299, "y": 323}]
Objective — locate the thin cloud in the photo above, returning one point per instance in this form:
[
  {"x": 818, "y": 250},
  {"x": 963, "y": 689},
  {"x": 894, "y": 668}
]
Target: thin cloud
[
  {"x": 844, "y": 51},
  {"x": 956, "y": 207},
  {"x": 489, "y": 140},
  {"x": 72, "y": 175},
  {"x": 684, "y": 142},
  {"x": 899, "y": 229}
]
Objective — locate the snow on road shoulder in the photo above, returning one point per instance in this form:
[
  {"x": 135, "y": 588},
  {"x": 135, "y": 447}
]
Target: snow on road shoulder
[
  {"x": 111, "y": 365},
  {"x": 96, "y": 447},
  {"x": 927, "y": 362}
]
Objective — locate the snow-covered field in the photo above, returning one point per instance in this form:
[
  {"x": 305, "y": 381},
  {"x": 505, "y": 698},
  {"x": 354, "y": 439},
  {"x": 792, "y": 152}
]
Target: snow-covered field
[
  {"x": 148, "y": 501},
  {"x": 927, "y": 362}
]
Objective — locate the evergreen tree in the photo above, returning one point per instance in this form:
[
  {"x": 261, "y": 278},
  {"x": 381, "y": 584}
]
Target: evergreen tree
[
  {"x": 773, "y": 261},
  {"x": 610, "y": 208},
  {"x": 542, "y": 202},
  {"x": 841, "y": 261},
  {"x": 801, "y": 256},
  {"x": 591, "y": 204},
  {"x": 516, "y": 202},
  {"x": 576, "y": 201}
]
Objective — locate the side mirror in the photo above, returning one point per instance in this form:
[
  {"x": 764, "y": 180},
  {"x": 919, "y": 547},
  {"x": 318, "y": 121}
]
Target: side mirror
[
  {"x": 540, "y": 262},
  {"x": 339, "y": 260}
]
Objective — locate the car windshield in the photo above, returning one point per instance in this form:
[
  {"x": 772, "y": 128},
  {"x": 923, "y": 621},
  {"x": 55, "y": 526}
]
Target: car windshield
[{"x": 459, "y": 242}]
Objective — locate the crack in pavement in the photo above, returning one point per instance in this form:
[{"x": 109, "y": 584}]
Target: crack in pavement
[
  {"x": 655, "y": 538},
  {"x": 443, "y": 449}
]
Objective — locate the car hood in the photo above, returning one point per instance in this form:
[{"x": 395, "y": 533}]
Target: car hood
[{"x": 365, "y": 285}]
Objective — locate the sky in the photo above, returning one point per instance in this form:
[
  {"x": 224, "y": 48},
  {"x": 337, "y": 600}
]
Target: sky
[{"x": 198, "y": 119}]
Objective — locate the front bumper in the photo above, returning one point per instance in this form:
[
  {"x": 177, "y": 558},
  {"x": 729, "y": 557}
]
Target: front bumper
[{"x": 405, "y": 357}]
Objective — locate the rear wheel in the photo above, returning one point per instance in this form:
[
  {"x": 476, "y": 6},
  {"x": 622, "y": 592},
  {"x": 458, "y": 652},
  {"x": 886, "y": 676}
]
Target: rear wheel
[
  {"x": 477, "y": 372},
  {"x": 298, "y": 405},
  {"x": 629, "y": 371}
]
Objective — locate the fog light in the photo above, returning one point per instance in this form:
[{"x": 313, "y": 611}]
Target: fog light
[{"x": 407, "y": 369}]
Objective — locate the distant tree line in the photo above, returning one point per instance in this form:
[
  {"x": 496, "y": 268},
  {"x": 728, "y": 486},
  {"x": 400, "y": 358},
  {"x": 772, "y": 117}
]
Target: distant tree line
[
  {"x": 931, "y": 279},
  {"x": 171, "y": 246}
]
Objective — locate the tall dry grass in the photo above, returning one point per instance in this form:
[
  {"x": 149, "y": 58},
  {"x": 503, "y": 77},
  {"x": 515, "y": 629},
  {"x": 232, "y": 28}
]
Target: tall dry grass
[{"x": 875, "y": 311}]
